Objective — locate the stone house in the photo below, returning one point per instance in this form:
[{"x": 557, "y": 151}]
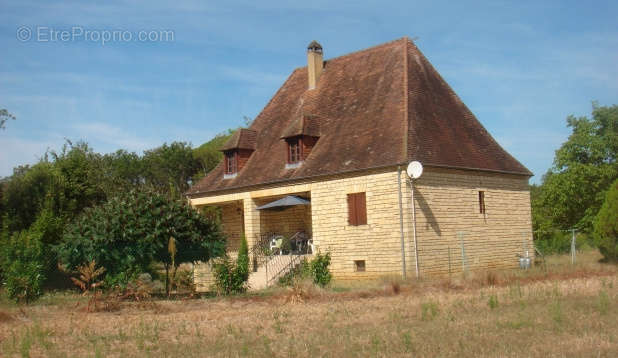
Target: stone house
[{"x": 339, "y": 133}]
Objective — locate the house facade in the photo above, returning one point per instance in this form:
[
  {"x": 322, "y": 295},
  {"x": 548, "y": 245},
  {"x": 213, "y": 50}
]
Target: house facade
[{"x": 339, "y": 133}]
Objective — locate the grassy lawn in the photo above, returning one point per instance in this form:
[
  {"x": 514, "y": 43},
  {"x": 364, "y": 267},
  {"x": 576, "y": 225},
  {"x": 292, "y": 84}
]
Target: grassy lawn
[{"x": 564, "y": 311}]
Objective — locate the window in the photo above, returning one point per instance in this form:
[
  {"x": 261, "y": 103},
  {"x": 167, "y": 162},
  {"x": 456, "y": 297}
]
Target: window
[
  {"x": 482, "y": 202},
  {"x": 231, "y": 159},
  {"x": 359, "y": 265},
  {"x": 294, "y": 151},
  {"x": 357, "y": 209}
]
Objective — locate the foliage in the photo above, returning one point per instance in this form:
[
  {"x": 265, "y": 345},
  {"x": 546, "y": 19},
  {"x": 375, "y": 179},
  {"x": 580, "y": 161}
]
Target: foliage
[
  {"x": 23, "y": 265},
  {"x": 584, "y": 167},
  {"x": 232, "y": 278},
  {"x": 88, "y": 276},
  {"x": 169, "y": 168},
  {"x": 319, "y": 269},
  {"x": 131, "y": 231},
  {"x": 606, "y": 225},
  {"x": 4, "y": 117},
  {"x": 298, "y": 273},
  {"x": 87, "y": 282}
]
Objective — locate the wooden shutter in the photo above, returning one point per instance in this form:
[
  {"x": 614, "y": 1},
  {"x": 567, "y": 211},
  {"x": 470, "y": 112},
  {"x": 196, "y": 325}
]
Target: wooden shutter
[
  {"x": 357, "y": 209},
  {"x": 351, "y": 209},
  {"x": 361, "y": 209}
]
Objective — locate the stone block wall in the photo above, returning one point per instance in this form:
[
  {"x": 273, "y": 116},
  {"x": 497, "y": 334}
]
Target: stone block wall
[{"x": 447, "y": 214}]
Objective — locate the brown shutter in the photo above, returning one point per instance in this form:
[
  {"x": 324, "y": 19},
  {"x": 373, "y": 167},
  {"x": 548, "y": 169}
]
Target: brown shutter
[
  {"x": 351, "y": 209},
  {"x": 361, "y": 209}
]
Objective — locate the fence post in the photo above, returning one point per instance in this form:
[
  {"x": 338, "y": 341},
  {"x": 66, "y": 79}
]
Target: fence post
[{"x": 460, "y": 235}]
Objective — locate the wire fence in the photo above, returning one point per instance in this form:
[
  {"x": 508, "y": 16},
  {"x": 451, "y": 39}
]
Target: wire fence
[{"x": 470, "y": 251}]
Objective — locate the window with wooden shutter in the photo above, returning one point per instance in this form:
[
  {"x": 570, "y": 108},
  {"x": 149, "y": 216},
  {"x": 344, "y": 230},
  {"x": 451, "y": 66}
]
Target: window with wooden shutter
[{"x": 357, "y": 209}]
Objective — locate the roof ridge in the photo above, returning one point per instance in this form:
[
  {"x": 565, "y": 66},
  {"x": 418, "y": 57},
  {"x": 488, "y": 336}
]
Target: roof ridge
[
  {"x": 406, "y": 94},
  {"x": 375, "y": 47}
]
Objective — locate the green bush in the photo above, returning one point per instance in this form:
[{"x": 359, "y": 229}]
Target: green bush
[
  {"x": 319, "y": 269},
  {"x": 606, "y": 225},
  {"x": 131, "y": 231},
  {"x": 23, "y": 266},
  {"x": 232, "y": 278}
]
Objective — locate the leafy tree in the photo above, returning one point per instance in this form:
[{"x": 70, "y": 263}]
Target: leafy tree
[
  {"x": 584, "y": 167},
  {"x": 606, "y": 225},
  {"x": 131, "y": 231},
  {"x": 122, "y": 172},
  {"x": 4, "y": 117},
  {"x": 169, "y": 168}
]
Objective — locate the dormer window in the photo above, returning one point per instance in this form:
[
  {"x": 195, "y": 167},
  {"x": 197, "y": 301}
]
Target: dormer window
[
  {"x": 237, "y": 151},
  {"x": 231, "y": 163},
  {"x": 294, "y": 150}
]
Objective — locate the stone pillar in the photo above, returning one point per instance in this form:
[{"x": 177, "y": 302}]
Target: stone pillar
[{"x": 252, "y": 221}]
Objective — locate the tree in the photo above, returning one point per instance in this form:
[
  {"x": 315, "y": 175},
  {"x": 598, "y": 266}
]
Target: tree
[
  {"x": 4, "y": 117},
  {"x": 169, "y": 168},
  {"x": 606, "y": 225},
  {"x": 129, "y": 232},
  {"x": 584, "y": 167}
]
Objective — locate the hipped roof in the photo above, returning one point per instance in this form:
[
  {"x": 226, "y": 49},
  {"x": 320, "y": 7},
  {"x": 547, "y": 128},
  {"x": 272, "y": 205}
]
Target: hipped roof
[{"x": 382, "y": 106}]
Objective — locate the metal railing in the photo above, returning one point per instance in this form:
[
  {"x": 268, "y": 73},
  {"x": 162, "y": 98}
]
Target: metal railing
[{"x": 277, "y": 261}]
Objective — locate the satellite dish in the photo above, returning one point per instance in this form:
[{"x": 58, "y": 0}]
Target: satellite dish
[{"x": 415, "y": 169}]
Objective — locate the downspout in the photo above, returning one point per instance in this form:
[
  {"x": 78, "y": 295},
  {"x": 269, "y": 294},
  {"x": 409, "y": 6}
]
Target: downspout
[
  {"x": 414, "y": 225},
  {"x": 403, "y": 250}
]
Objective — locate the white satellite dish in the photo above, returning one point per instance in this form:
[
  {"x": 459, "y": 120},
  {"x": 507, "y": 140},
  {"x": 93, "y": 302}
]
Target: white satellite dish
[{"x": 415, "y": 169}]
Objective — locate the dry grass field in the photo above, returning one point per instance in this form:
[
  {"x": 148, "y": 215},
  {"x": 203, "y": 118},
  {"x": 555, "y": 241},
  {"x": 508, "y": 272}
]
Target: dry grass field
[{"x": 564, "y": 312}]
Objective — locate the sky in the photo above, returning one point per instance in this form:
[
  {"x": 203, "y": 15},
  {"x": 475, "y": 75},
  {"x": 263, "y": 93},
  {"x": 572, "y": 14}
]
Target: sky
[{"x": 133, "y": 75}]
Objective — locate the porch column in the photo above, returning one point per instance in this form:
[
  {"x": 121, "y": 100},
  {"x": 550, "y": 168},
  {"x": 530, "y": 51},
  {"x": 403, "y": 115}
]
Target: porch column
[{"x": 252, "y": 221}]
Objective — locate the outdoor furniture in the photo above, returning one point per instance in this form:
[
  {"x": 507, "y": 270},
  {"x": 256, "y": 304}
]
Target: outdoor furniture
[{"x": 275, "y": 244}]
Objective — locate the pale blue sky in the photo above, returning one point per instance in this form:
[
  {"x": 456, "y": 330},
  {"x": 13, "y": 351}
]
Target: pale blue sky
[{"x": 521, "y": 66}]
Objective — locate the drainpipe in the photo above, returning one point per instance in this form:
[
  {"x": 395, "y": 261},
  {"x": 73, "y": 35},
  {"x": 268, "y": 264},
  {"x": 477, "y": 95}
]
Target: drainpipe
[
  {"x": 414, "y": 225},
  {"x": 403, "y": 250}
]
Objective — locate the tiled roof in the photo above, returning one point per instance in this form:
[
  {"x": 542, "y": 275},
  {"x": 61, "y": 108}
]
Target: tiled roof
[
  {"x": 382, "y": 106},
  {"x": 241, "y": 139}
]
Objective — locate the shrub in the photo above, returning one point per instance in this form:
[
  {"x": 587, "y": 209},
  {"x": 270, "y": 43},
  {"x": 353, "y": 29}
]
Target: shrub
[
  {"x": 606, "y": 225},
  {"x": 319, "y": 269},
  {"x": 131, "y": 231},
  {"x": 232, "y": 278},
  {"x": 23, "y": 266}
]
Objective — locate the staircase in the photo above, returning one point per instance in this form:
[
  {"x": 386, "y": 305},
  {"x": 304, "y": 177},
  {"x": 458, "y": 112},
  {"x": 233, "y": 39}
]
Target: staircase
[
  {"x": 269, "y": 266},
  {"x": 268, "y": 274}
]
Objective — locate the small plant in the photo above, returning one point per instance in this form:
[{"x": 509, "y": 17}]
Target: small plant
[
  {"x": 493, "y": 301},
  {"x": 603, "y": 302},
  {"x": 232, "y": 278},
  {"x": 319, "y": 269},
  {"x": 88, "y": 282},
  {"x": 429, "y": 311}
]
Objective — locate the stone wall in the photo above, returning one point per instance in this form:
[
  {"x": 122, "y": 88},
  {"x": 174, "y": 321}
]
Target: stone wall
[{"x": 447, "y": 213}]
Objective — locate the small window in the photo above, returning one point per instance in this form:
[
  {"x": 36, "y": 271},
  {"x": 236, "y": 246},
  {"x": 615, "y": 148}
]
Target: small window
[
  {"x": 359, "y": 265},
  {"x": 294, "y": 151},
  {"x": 482, "y": 202},
  {"x": 357, "y": 209},
  {"x": 231, "y": 162}
]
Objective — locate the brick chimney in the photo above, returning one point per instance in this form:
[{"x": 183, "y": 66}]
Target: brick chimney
[{"x": 315, "y": 63}]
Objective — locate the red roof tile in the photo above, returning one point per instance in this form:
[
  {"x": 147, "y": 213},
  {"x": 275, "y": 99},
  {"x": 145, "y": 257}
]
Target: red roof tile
[{"x": 382, "y": 106}]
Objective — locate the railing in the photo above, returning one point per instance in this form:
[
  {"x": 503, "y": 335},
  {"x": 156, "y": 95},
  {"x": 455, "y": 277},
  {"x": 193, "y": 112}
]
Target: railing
[{"x": 277, "y": 261}]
